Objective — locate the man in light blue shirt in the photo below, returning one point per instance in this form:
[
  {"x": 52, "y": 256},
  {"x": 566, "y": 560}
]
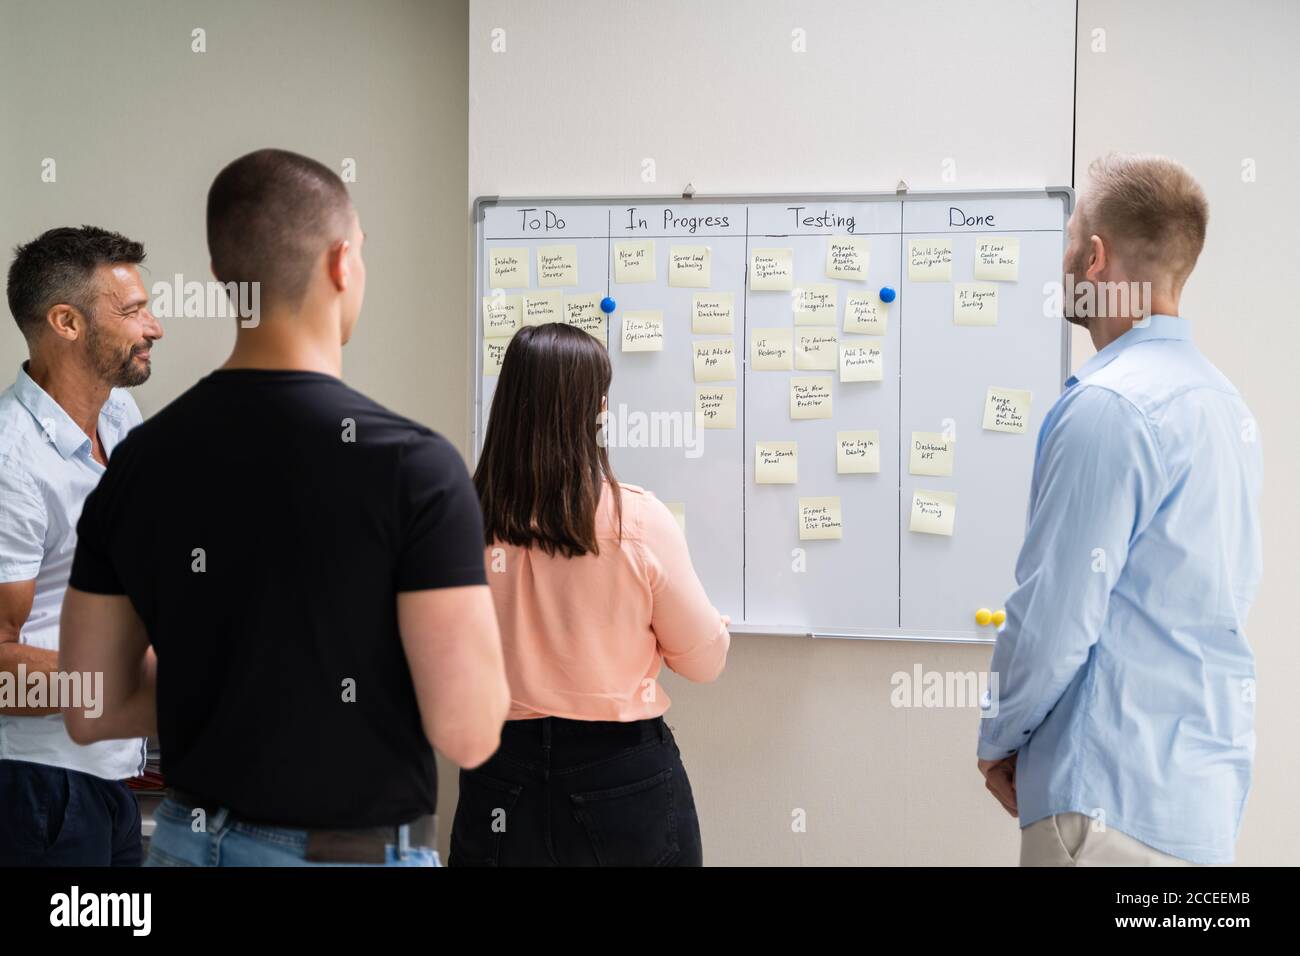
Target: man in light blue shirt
[
  {"x": 1124, "y": 731},
  {"x": 78, "y": 299}
]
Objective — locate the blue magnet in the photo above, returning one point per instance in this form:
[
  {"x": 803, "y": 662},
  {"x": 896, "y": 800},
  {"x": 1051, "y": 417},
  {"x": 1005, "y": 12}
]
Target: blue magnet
[
  {"x": 608, "y": 305},
  {"x": 887, "y": 294}
]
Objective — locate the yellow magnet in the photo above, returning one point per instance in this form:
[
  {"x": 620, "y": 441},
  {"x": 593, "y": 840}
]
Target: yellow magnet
[
  {"x": 999, "y": 617},
  {"x": 983, "y": 616}
]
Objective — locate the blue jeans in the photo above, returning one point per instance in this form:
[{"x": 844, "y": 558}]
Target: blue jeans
[{"x": 227, "y": 842}]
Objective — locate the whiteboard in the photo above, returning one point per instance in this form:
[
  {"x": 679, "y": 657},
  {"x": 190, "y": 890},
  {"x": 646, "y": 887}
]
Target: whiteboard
[{"x": 879, "y": 580}]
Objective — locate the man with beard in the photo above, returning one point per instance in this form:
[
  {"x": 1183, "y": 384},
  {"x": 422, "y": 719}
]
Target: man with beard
[
  {"x": 78, "y": 299},
  {"x": 1124, "y": 732}
]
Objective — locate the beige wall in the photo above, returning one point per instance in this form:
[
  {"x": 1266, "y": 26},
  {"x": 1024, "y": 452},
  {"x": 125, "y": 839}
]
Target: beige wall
[{"x": 139, "y": 125}]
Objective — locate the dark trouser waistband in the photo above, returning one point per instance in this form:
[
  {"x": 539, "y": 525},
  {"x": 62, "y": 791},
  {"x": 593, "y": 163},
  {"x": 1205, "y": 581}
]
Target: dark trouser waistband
[
  {"x": 334, "y": 845},
  {"x": 546, "y": 729}
]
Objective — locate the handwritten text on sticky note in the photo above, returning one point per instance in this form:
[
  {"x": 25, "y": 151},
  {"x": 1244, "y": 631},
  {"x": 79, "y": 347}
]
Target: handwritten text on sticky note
[
  {"x": 857, "y": 452},
  {"x": 776, "y": 462},
  {"x": 932, "y": 454},
  {"x": 997, "y": 259},
  {"x": 929, "y": 260},
  {"x": 933, "y": 512},
  {"x": 1006, "y": 410},
  {"x": 820, "y": 519}
]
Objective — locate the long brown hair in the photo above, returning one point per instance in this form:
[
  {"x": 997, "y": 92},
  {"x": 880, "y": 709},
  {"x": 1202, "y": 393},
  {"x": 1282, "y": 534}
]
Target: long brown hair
[{"x": 540, "y": 474}]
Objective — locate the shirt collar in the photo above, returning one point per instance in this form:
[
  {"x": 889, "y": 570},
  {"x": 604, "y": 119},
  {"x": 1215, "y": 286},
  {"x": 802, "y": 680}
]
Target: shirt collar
[
  {"x": 55, "y": 424},
  {"x": 1156, "y": 327}
]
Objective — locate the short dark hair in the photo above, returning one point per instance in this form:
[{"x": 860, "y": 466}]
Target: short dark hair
[
  {"x": 58, "y": 268},
  {"x": 270, "y": 215}
]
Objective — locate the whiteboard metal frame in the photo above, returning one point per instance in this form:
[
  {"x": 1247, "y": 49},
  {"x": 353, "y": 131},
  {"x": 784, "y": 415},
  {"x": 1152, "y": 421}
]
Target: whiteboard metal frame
[{"x": 481, "y": 203}]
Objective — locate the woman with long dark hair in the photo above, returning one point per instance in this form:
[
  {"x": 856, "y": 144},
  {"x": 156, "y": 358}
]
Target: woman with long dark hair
[{"x": 594, "y": 591}]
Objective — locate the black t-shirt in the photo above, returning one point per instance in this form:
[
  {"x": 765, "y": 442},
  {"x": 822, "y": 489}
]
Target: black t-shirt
[{"x": 262, "y": 525}]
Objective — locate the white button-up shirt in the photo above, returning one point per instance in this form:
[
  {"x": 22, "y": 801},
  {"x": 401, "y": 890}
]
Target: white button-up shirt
[{"x": 46, "y": 471}]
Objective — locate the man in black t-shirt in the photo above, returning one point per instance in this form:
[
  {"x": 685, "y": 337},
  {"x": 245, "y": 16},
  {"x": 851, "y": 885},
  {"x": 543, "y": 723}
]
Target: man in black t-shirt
[{"x": 307, "y": 566}]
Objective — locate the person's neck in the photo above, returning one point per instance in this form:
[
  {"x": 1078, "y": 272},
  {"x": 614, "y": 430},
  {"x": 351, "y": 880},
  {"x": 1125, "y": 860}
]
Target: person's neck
[
  {"x": 1104, "y": 330},
  {"x": 287, "y": 343},
  {"x": 76, "y": 389}
]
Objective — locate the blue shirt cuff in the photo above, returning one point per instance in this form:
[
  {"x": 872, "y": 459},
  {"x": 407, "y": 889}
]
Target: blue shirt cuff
[{"x": 987, "y": 750}]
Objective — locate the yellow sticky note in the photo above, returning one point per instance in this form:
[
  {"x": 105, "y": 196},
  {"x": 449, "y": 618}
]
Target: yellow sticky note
[
  {"x": 715, "y": 360},
  {"x": 502, "y": 315},
  {"x": 771, "y": 270},
  {"x": 861, "y": 361},
  {"x": 1006, "y": 410},
  {"x": 933, "y": 512},
  {"x": 508, "y": 269},
  {"x": 715, "y": 407},
  {"x": 865, "y": 314},
  {"x": 997, "y": 259},
  {"x": 776, "y": 462},
  {"x": 583, "y": 311},
  {"x": 810, "y": 397},
  {"x": 857, "y": 453},
  {"x": 543, "y": 307},
  {"x": 932, "y": 454},
  {"x": 820, "y": 519},
  {"x": 847, "y": 257},
  {"x": 678, "y": 509},
  {"x": 929, "y": 260},
  {"x": 814, "y": 303},
  {"x": 643, "y": 331},
  {"x": 557, "y": 265},
  {"x": 634, "y": 261},
  {"x": 690, "y": 267},
  {"x": 771, "y": 350},
  {"x": 975, "y": 303},
  {"x": 816, "y": 349},
  {"x": 713, "y": 313},
  {"x": 494, "y": 353}
]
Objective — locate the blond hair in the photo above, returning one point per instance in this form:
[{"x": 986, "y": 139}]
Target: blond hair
[{"x": 1150, "y": 210}]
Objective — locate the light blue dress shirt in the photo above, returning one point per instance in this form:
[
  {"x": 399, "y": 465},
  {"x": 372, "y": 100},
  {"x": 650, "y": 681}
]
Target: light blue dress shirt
[
  {"x": 46, "y": 472},
  {"x": 1125, "y": 682}
]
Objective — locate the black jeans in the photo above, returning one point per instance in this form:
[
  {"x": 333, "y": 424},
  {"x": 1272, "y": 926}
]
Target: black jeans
[
  {"x": 55, "y": 817},
  {"x": 578, "y": 793}
]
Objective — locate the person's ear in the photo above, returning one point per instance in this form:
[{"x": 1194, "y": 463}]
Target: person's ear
[
  {"x": 1098, "y": 258},
  {"x": 340, "y": 271},
  {"x": 66, "y": 321}
]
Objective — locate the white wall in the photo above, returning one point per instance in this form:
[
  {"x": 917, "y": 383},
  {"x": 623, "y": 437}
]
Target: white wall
[
  {"x": 1214, "y": 84},
  {"x": 584, "y": 92}
]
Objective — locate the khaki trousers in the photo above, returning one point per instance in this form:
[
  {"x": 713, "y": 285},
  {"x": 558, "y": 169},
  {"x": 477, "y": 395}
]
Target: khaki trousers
[{"x": 1072, "y": 839}]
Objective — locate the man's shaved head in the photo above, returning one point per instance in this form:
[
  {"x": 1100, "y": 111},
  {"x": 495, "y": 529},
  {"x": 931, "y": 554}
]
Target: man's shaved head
[{"x": 271, "y": 215}]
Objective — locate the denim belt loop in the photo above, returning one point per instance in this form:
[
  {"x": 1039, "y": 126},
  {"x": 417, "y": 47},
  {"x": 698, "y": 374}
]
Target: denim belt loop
[
  {"x": 546, "y": 733},
  {"x": 218, "y": 821},
  {"x": 403, "y": 840}
]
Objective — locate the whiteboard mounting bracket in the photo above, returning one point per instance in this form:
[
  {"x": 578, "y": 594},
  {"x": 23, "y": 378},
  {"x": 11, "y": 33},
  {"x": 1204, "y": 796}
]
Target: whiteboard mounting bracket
[{"x": 689, "y": 191}]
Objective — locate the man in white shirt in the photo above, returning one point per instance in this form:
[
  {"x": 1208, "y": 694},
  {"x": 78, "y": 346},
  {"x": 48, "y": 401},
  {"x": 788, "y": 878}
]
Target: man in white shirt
[{"x": 77, "y": 296}]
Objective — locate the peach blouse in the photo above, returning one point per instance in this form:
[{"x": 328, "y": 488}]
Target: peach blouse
[{"x": 584, "y": 637}]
